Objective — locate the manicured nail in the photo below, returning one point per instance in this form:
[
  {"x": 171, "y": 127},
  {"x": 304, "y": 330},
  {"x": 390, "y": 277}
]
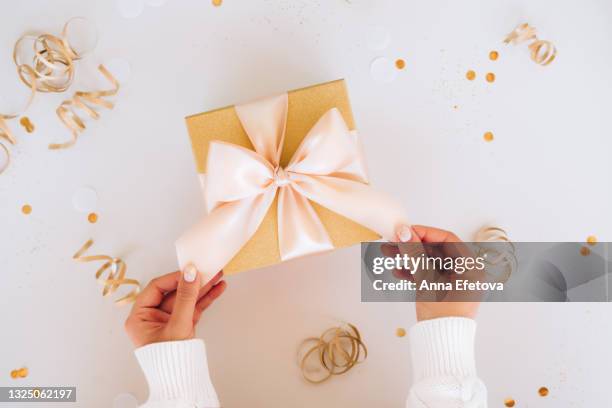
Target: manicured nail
[
  {"x": 189, "y": 273},
  {"x": 404, "y": 233}
]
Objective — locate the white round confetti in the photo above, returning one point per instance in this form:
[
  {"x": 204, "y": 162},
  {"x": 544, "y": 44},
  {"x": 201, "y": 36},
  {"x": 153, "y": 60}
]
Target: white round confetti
[
  {"x": 156, "y": 3},
  {"x": 125, "y": 400},
  {"x": 378, "y": 38},
  {"x": 130, "y": 8},
  {"x": 383, "y": 70},
  {"x": 82, "y": 35},
  {"x": 85, "y": 199},
  {"x": 120, "y": 69}
]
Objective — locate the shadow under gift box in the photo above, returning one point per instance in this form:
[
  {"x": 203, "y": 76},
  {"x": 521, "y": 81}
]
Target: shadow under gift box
[{"x": 306, "y": 106}]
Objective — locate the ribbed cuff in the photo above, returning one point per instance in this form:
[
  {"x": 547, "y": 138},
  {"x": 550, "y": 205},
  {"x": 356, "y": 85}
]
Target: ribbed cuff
[
  {"x": 443, "y": 347},
  {"x": 178, "y": 371}
]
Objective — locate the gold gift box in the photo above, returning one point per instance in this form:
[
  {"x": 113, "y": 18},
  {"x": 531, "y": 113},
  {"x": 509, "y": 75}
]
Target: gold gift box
[{"x": 306, "y": 106}]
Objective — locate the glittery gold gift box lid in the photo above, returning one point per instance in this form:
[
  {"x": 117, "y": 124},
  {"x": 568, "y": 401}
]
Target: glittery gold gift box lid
[{"x": 306, "y": 106}]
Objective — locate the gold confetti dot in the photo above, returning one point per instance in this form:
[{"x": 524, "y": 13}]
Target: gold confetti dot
[
  {"x": 591, "y": 240},
  {"x": 26, "y": 209},
  {"x": 455, "y": 106},
  {"x": 509, "y": 402},
  {"x": 470, "y": 75},
  {"x": 543, "y": 391},
  {"x": 488, "y": 136},
  {"x": 490, "y": 77},
  {"x": 584, "y": 251},
  {"x": 22, "y": 372},
  {"x": 27, "y": 124},
  {"x": 400, "y": 63},
  {"x": 92, "y": 217},
  {"x": 400, "y": 332},
  {"x": 14, "y": 373},
  {"x": 493, "y": 55},
  {"x": 217, "y": 3}
]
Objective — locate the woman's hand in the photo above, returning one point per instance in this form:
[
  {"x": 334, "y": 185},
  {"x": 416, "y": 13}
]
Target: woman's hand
[
  {"x": 170, "y": 306},
  {"x": 420, "y": 240}
]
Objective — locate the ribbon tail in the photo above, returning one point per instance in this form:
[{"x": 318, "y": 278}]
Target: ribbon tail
[
  {"x": 357, "y": 201},
  {"x": 300, "y": 231},
  {"x": 5, "y": 131},
  {"x": 212, "y": 242}
]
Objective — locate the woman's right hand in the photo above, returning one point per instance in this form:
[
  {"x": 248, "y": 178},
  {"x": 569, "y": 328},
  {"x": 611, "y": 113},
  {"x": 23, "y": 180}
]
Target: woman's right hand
[{"x": 455, "y": 303}]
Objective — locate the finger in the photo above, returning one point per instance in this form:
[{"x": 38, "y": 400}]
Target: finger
[
  {"x": 187, "y": 291},
  {"x": 414, "y": 248},
  {"x": 153, "y": 293},
  {"x": 404, "y": 233},
  {"x": 389, "y": 250},
  {"x": 154, "y": 315},
  {"x": 209, "y": 285},
  {"x": 431, "y": 234},
  {"x": 413, "y": 245},
  {"x": 168, "y": 303},
  {"x": 451, "y": 244},
  {"x": 216, "y": 291},
  {"x": 403, "y": 274}
]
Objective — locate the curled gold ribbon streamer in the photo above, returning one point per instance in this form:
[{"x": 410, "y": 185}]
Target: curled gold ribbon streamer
[
  {"x": 53, "y": 61},
  {"x": 331, "y": 352},
  {"x": 493, "y": 256},
  {"x": 51, "y": 70},
  {"x": 116, "y": 275},
  {"x": 541, "y": 51},
  {"x": 84, "y": 101}
]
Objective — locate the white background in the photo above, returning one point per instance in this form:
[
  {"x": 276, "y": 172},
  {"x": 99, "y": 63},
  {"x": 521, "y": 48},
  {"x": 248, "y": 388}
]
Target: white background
[{"x": 545, "y": 177}]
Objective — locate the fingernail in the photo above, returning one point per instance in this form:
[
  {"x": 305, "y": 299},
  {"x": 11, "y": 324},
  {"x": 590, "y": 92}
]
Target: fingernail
[
  {"x": 189, "y": 273},
  {"x": 404, "y": 233}
]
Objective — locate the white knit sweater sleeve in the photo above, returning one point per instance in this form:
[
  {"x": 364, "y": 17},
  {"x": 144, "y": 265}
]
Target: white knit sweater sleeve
[
  {"x": 177, "y": 374},
  {"x": 444, "y": 366},
  {"x": 442, "y": 354}
]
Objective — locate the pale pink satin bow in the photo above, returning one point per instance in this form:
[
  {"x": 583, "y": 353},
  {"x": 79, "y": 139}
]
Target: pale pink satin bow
[{"x": 241, "y": 184}]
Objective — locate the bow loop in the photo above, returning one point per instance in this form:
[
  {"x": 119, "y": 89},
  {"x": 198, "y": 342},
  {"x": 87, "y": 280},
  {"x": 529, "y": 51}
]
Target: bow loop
[
  {"x": 234, "y": 173},
  {"x": 330, "y": 149},
  {"x": 264, "y": 122}
]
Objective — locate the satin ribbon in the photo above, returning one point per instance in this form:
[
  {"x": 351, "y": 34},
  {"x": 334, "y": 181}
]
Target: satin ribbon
[
  {"x": 328, "y": 168},
  {"x": 115, "y": 277},
  {"x": 82, "y": 100}
]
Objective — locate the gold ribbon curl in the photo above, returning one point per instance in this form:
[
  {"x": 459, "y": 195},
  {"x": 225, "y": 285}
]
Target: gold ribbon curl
[
  {"x": 116, "y": 275},
  {"x": 337, "y": 350},
  {"x": 51, "y": 70},
  {"x": 84, "y": 101},
  {"x": 493, "y": 256},
  {"x": 542, "y": 52},
  {"x": 52, "y": 63}
]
